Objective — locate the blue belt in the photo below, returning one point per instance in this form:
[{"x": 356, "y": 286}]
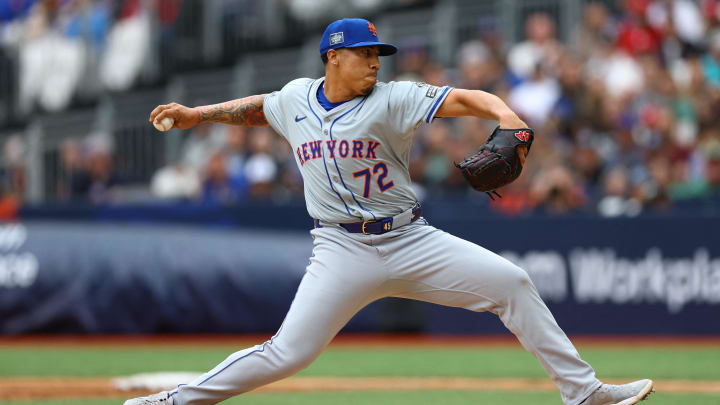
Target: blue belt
[{"x": 380, "y": 226}]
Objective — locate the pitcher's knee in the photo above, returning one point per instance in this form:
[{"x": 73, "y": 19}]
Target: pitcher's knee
[{"x": 516, "y": 278}]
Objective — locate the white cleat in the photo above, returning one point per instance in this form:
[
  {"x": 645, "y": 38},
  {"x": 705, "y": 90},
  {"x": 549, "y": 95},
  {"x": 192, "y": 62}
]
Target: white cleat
[
  {"x": 626, "y": 394},
  {"x": 161, "y": 398}
]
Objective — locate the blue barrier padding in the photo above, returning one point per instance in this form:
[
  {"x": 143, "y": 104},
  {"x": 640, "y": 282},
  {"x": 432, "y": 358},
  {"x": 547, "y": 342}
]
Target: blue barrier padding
[{"x": 189, "y": 269}]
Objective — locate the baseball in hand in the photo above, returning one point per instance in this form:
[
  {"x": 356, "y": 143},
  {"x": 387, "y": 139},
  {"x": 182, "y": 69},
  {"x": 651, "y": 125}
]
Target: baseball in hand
[{"x": 165, "y": 124}]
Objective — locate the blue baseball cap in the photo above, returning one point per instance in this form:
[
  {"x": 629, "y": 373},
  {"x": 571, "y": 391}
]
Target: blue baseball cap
[{"x": 353, "y": 33}]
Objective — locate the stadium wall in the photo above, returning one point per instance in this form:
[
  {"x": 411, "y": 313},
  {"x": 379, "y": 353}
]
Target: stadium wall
[{"x": 155, "y": 269}]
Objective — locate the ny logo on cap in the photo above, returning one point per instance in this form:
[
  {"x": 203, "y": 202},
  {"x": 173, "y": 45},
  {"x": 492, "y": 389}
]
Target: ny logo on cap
[
  {"x": 371, "y": 26},
  {"x": 337, "y": 38}
]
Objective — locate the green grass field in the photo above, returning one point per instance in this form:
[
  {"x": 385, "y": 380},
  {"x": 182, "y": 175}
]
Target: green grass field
[
  {"x": 407, "y": 398},
  {"x": 675, "y": 362}
]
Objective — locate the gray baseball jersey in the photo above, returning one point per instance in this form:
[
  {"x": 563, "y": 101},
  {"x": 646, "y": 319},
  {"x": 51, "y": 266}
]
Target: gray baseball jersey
[
  {"x": 354, "y": 161},
  {"x": 354, "y": 158}
]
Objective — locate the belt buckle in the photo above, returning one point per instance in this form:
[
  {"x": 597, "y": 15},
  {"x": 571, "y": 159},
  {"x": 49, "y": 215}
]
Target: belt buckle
[
  {"x": 370, "y": 221},
  {"x": 386, "y": 227}
]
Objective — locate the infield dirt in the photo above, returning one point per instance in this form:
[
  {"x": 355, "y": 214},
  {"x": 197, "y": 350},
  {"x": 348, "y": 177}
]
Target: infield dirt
[{"x": 22, "y": 388}]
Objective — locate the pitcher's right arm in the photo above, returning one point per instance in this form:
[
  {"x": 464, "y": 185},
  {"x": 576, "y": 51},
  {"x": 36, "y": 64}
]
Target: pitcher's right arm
[{"x": 246, "y": 111}]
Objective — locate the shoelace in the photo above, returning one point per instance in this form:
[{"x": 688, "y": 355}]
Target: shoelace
[{"x": 490, "y": 194}]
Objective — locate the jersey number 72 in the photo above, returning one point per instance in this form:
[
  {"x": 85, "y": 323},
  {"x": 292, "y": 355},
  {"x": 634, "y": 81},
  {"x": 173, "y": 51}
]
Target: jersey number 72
[{"x": 382, "y": 184}]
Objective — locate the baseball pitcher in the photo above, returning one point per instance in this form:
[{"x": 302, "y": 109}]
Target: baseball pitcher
[{"x": 351, "y": 136}]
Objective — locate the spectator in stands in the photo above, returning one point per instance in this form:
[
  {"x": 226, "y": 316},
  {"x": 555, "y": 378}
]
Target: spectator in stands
[
  {"x": 290, "y": 184},
  {"x": 51, "y": 64},
  {"x": 219, "y": 186},
  {"x": 555, "y": 192},
  {"x": 535, "y": 98},
  {"x": 413, "y": 57},
  {"x": 620, "y": 73},
  {"x": 635, "y": 34},
  {"x": 183, "y": 180},
  {"x": 434, "y": 74},
  {"x": 597, "y": 31},
  {"x": 73, "y": 177},
  {"x": 589, "y": 166},
  {"x": 541, "y": 46},
  {"x": 578, "y": 100},
  {"x": 711, "y": 61},
  {"x": 128, "y": 47},
  {"x": 708, "y": 187},
  {"x": 654, "y": 193},
  {"x": 435, "y": 164},
  {"x": 478, "y": 67},
  {"x": 261, "y": 168},
  {"x": 617, "y": 190},
  {"x": 104, "y": 183},
  {"x": 236, "y": 153},
  {"x": 680, "y": 23},
  {"x": 13, "y": 180},
  {"x": 88, "y": 20},
  {"x": 175, "y": 182},
  {"x": 202, "y": 142}
]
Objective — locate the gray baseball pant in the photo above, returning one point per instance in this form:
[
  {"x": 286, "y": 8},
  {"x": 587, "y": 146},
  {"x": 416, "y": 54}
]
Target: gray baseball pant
[{"x": 417, "y": 261}]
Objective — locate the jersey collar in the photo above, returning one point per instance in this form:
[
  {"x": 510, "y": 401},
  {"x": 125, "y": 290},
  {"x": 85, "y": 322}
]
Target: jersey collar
[{"x": 327, "y": 116}]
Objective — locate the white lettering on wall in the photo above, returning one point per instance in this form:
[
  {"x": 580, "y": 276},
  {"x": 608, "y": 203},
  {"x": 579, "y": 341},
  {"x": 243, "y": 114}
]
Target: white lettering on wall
[
  {"x": 17, "y": 269},
  {"x": 598, "y": 275},
  {"x": 12, "y": 236}
]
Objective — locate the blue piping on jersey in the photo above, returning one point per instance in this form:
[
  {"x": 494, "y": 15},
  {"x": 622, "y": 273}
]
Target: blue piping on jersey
[
  {"x": 323, "y": 154},
  {"x": 335, "y": 160},
  {"x": 437, "y": 103},
  {"x": 262, "y": 349},
  {"x": 308, "y": 103}
]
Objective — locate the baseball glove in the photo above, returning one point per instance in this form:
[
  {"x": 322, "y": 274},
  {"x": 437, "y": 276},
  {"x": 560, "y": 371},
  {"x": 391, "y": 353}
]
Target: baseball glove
[{"x": 498, "y": 162}]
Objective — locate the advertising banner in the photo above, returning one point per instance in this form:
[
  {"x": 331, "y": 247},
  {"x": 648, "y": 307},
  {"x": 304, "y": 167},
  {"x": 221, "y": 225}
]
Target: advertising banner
[{"x": 598, "y": 276}]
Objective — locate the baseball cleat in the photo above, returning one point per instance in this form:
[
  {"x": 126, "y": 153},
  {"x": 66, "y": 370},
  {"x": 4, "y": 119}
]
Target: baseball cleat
[
  {"x": 626, "y": 394},
  {"x": 161, "y": 398}
]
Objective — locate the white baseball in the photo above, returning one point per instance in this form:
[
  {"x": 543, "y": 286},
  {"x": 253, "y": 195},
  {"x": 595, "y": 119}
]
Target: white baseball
[{"x": 165, "y": 124}]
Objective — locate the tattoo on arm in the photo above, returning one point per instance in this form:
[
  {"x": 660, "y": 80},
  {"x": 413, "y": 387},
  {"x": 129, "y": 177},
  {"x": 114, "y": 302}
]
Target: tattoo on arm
[{"x": 246, "y": 111}]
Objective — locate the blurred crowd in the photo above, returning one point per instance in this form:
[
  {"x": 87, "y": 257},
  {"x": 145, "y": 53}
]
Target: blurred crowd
[
  {"x": 626, "y": 114},
  {"x": 74, "y": 49},
  {"x": 226, "y": 164}
]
